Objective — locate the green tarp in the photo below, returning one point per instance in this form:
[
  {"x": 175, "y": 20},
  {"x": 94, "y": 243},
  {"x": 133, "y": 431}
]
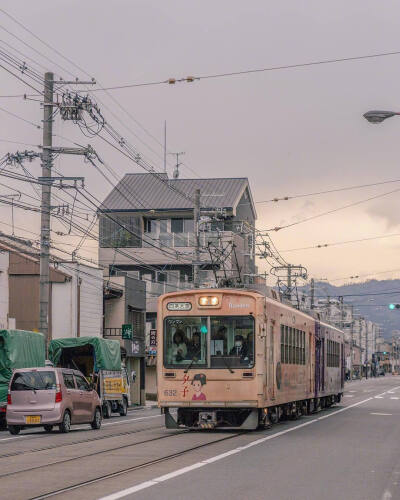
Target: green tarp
[
  {"x": 19, "y": 349},
  {"x": 107, "y": 352}
]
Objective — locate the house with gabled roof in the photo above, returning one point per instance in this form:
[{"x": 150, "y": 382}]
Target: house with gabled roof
[{"x": 146, "y": 228}]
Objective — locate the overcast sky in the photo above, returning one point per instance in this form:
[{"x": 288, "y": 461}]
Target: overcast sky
[{"x": 290, "y": 132}]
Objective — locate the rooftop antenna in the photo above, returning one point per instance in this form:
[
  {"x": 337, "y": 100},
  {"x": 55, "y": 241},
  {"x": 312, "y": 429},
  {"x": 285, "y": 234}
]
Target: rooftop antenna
[{"x": 178, "y": 164}]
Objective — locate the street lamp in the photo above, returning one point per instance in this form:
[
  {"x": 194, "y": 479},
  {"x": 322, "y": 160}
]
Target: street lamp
[{"x": 379, "y": 116}]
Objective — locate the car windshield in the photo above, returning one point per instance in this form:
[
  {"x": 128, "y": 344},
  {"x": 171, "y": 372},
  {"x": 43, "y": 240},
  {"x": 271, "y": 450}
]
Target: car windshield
[
  {"x": 34, "y": 380},
  {"x": 213, "y": 342}
]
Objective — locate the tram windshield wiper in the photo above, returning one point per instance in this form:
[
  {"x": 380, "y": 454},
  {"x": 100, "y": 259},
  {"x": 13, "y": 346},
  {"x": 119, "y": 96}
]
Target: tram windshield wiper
[
  {"x": 227, "y": 364},
  {"x": 190, "y": 364}
]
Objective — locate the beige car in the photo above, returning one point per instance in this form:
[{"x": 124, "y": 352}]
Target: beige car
[{"x": 51, "y": 396}]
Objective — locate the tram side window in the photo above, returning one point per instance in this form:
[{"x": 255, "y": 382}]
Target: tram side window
[
  {"x": 293, "y": 347},
  {"x": 333, "y": 354}
]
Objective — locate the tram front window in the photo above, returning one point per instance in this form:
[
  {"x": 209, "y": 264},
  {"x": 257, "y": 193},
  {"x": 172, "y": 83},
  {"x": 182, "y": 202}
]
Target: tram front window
[
  {"x": 232, "y": 342},
  {"x": 185, "y": 341}
]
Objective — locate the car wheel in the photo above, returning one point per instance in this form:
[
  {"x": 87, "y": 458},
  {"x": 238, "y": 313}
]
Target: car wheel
[
  {"x": 123, "y": 409},
  {"x": 107, "y": 409},
  {"x": 96, "y": 422},
  {"x": 65, "y": 425},
  {"x": 48, "y": 428},
  {"x": 14, "y": 429}
]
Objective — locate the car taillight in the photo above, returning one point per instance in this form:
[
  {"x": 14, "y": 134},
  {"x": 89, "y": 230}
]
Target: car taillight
[
  {"x": 9, "y": 399},
  {"x": 58, "y": 394}
]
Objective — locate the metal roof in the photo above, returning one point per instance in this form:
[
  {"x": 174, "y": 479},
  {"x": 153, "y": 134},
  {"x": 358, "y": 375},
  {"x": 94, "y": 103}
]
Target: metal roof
[{"x": 157, "y": 192}]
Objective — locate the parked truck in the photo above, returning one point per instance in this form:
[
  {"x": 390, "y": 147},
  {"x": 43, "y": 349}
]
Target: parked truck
[
  {"x": 100, "y": 361},
  {"x": 18, "y": 349}
]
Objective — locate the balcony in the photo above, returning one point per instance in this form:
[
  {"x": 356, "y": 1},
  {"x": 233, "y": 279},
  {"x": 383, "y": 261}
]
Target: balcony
[{"x": 183, "y": 240}]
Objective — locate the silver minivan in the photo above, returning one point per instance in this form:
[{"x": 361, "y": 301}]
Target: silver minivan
[{"x": 51, "y": 396}]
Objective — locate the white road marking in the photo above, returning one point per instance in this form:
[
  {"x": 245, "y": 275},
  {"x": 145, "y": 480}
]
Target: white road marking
[
  {"x": 378, "y": 397},
  {"x": 349, "y": 395},
  {"x": 386, "y": 495},
  {"x": 383, "y": 414},
  {"x": 184, "y": 470},
  {"x": 352, "y": 391},
  {"x": 394, "y": 397}
]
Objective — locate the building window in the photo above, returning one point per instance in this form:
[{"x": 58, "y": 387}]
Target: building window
[
  {"x": 176, "y": 225},
  {"x": 120, "y": 231},
  {"x": 149, "y": 226}
]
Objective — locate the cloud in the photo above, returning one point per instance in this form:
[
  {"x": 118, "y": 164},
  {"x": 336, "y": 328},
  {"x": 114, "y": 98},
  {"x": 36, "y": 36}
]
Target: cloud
[{"x": 388, "y": 211}]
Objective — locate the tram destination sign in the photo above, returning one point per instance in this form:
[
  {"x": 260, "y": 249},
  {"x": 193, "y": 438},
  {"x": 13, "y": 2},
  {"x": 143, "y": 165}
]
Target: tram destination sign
[{"x": 179, "y": 306}]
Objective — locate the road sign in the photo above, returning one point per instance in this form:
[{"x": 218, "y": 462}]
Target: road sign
[
  {"x": 153, "y": 338},
  {"x": 127, "y": 332}
]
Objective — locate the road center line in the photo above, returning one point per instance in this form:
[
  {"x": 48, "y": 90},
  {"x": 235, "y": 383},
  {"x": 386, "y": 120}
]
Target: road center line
[
  {"x": 184, "y": 470},
  {"x": 383, "y": 414}
]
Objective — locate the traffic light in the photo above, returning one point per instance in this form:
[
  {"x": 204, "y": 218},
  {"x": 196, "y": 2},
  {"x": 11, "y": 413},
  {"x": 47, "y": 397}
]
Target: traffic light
[{"x": 394, "y": 306}]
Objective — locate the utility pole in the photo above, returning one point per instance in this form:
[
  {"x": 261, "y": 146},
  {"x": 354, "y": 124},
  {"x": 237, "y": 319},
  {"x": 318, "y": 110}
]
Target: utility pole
[
  {"x": 312, "y": 293},
  {"x": 165, "y": 146},
  {"x": 196, "y": 219},
  {"x": 45, "y": 206},
  {"x": 289, "y": 282}
]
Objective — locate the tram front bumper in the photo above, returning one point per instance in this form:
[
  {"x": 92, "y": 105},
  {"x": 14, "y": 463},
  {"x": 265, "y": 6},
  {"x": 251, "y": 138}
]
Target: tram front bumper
[{"x": 232, "y": 418}]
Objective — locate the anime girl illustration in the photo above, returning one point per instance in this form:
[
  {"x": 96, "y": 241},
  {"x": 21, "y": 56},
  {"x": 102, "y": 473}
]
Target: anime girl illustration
[{"x": 198, "y": 381}]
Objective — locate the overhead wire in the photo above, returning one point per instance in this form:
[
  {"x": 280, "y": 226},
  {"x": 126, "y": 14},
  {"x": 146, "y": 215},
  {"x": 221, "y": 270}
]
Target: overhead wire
[
  {"x": 349, "y": 188},
  {"x": 337, "y": 243},
  {"x": 250, "y": 71},
  {"x": 122, "y": 108},
  {"x": 278, "y": 228}
]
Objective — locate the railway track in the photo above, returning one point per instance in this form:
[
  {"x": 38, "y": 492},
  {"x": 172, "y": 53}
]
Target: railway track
[
  {"x": 87, "y": 455},
  {"x": 88, "y": 440},
  {"x": 127, "y": 470}
]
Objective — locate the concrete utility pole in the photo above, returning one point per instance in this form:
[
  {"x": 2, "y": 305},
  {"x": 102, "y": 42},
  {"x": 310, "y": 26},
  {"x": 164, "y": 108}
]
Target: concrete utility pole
[
  {"x": 289, "y": 282},
  {"x": 312, "y": 293},
  {"x": 45, "y": 206},
  {"x": 196, "y": 219}
]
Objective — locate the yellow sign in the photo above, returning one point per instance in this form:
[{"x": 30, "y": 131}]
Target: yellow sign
[{"x": 113, "y": 386}]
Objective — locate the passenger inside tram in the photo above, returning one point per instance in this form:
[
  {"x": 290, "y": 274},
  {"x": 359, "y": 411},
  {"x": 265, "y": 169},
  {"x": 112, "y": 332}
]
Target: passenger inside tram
[{"x": 229, "y": 340}]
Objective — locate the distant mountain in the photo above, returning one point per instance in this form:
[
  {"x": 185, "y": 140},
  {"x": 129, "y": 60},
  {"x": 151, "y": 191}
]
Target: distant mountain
[{"x": 370, "y": 299}]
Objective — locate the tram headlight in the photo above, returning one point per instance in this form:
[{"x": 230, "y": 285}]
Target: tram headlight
[{"x": 208, "y": 300}]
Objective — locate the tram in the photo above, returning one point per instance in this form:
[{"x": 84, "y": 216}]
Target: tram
[{"x": 241, "y": 359}]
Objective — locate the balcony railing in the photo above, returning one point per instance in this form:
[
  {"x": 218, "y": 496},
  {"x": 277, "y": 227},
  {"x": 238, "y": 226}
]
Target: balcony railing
[
  {"x": 113, "y": 332},
  {"x": 182, "y": 240}
]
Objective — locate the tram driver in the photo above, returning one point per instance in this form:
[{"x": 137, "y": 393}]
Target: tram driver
[{"x": 240, "y": 349}]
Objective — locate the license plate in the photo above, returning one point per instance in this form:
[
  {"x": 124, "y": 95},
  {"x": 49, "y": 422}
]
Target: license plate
[{"x": 33, "y": 419}]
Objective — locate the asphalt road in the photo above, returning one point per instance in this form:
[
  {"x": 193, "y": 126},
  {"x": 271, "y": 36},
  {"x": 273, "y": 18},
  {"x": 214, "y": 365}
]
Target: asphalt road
[{"x": 350, "y": 451}]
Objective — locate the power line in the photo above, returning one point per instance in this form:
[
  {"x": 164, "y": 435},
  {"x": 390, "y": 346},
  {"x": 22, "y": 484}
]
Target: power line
[
  {"x": 286, "y": 198},
  {"x": 337, "y": 243},
  {"x": 278, "y": 228},
  {"x": 191, "y": 79},
  {"x": 20, "y": 118}
]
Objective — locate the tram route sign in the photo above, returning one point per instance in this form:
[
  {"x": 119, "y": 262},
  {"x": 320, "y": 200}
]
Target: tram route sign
[
  {"x": 153, "y": 338},
  {"x": 127, "y": 332}
]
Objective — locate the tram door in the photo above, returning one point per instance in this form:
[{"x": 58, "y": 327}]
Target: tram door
[{"x": 271, "y": 362}]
